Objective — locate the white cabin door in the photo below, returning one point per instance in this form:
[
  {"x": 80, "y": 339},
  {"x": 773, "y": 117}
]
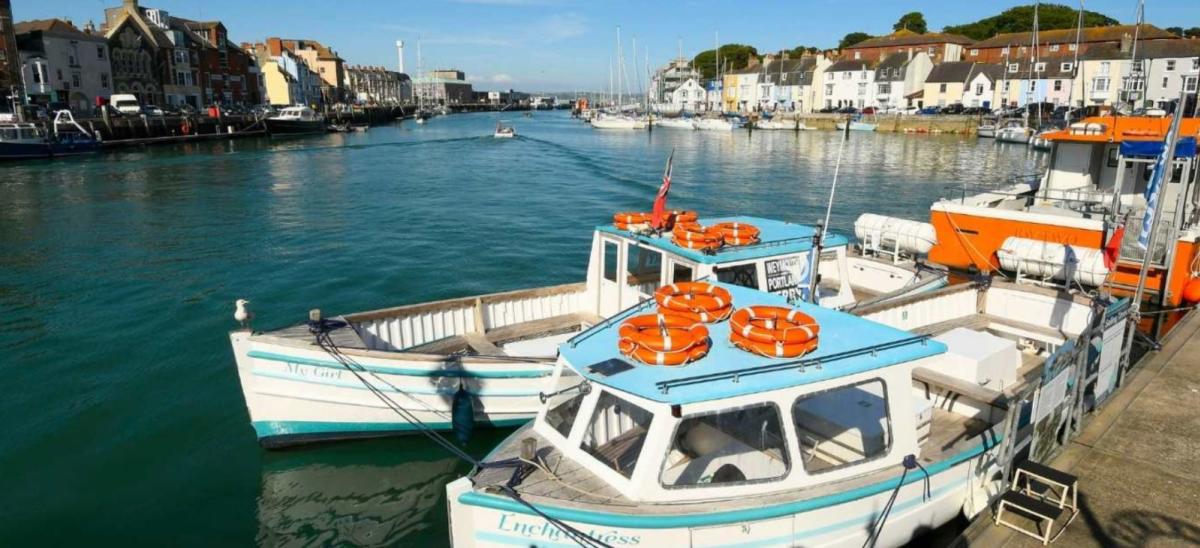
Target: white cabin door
[
  {"x": 643, "y": 274},
  {"x": 610, "y": 270}
]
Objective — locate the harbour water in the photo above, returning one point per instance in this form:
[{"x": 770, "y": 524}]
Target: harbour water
[{"x": 124, "y": 422}]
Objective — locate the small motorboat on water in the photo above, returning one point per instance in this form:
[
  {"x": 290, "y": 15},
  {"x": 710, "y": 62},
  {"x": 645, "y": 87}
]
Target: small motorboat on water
[
  {"x": 857, "y": 124},
  {"x": 487, "y": 358},
  {"x": 777, "y": 124},
  {"x": 19, "y": 141},
  {"x": 987, "y": 130},
  {"x": 713, "y": 123},
  {"x": 295, "y": 120},
  {"x": 618, "y": 121},
  {"x": 1014, "y": 131},
  {"x": 842, "y": 431},
  {"x": 675, "y": 123},
  {"x": 504, "y": 132}
]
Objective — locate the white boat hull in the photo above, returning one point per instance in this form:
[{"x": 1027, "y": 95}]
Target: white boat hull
[
  {"x": 675, "y": 123},
  {"x": 1012, "y": 135},
  {"x": 714, "y": 124},
  {"x": 618, "y": 123},
  {"x": 297, "y": 395},
  {"x": 834, "y": 520},
  {"x": 856, "y": 126}
]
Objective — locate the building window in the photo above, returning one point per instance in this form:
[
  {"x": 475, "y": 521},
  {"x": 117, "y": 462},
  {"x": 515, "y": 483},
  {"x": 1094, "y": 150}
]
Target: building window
[
  {"x": 1066, "y": 67},
  {"x": 885, "y": 89},
  {"x": 75, "y": 80},
  {"x": 1032, "y": 85},
  {"x": 828, "y": 89},
  {"x": 1100, "y": 84},
  {"x": 1196, "y": 63},
  {"x": 1165, "y": 81},
  {"x": 974, "y": 52},
  {"x": 862, "y": 75},
  {"x": 1004, "y": 51},
  {"x": 942, "y": 88},
  {"x": 862, "y": 88},
  {"x": 978, "y": 89},
  {"x": 58, "y": 74},
  {"x": 1072, "y": 47},
  {"x": 1012, "y": 67},
  {"x": 1058, "y": 85},
  {"x": 99, "y": 52},
  {"x": 1189, "y": 83},
  {"x": 1170, "y": 65},
  {"x": 1006, "y": 83},
  {"x": 1104, "y": 66},
  {"x": 1039, "y": 67},
  {"x": 1054, "y": 47},
  {"x": 846, "y": 76},
  {"x": 858, "y": 55},
  {"x": 103, "y": 79}
]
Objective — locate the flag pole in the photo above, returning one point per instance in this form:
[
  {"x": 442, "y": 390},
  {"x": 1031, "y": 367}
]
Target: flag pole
[
  {"x": 1161, "y": 177},
  {"x": 819, "y": 235}
]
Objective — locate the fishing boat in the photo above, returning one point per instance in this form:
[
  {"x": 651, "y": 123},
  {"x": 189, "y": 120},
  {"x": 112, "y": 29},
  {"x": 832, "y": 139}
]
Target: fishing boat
[
  {"x": 1014, "y": 131},
  {"x": 316, "y": 380},
  {"x": 504, "y": 132},
  {"x": 875, "y": 428},
  {"x": 1068, "y": 225},
  {"x": 19, "y": 141},
  {"x": 295, "y": 120}
]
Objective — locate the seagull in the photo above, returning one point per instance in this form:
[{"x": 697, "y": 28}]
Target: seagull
[{"x": 242, "y": 315}]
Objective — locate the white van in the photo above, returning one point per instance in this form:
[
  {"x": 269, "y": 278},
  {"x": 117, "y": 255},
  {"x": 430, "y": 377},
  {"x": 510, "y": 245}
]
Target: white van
[{"x": 126, "y": 104}]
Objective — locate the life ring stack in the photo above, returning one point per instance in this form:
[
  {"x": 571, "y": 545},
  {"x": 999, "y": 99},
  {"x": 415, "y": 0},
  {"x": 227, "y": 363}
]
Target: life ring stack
[
  {"x": 640, "y": 221},
  {"x": 773, "y": 331},
  {"x": 676, "y": 334},
  {"x": 737, "y": 233},
  {"x": 693, "y": 236}
]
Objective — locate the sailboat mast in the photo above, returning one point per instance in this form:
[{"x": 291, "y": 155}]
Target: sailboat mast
[
  {"x": 1135, "y": 70},
  {"x": 1075, "y": 66},
  {"x": 1033, "y": 59},
  {"x": 620, "y": 65}
]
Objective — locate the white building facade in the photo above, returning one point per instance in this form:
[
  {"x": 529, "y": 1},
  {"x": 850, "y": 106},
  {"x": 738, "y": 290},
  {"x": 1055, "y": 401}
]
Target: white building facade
[
  {"x": 849, "y": 84},
  {"x": 689, "y": 96},
  {"x": 62, "y": 65}
]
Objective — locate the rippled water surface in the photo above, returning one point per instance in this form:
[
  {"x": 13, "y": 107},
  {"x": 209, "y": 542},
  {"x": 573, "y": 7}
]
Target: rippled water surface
[{"x": 123, "y": 419}]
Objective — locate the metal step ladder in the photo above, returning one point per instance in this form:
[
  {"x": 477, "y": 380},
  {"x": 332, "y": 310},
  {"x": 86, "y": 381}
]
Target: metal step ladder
[{"x": 1042, "y": 495}]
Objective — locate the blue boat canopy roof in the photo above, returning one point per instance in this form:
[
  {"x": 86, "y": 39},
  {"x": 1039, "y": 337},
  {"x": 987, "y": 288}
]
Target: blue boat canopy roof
[
  {"x": 848, "y": 345},
  {"x": 1185, "y": 148},
  {"x": 776, "y": 238}
]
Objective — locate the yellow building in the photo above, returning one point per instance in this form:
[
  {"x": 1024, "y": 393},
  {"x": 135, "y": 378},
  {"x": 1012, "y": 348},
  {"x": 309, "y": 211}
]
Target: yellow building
[
  {"x": 323, "y": 61},
  {"x": 945, "y": 84}
]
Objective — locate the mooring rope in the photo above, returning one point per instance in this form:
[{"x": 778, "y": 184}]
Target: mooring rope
[{"x": 321, "y": 329}]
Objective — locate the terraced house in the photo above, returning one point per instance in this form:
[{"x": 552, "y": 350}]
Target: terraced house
[
  {"x": 1052, "y": 43},
  {"x": 230, "y": 74},
  {"x": 62, "y": 65},
  {"x": 1109, "y": 75},
  {"x": 849, "y": 83},
  {"x": 899, "y": 80},
  {"x": 324, "y": 62},
  {"x": 940, "y": 47}
]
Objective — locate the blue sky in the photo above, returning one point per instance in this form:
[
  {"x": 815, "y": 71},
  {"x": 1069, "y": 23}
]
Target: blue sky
[{"x": 564, "y": 45}]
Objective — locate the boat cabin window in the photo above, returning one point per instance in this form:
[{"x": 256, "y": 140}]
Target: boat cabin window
[
  {"x": 644, "y": 268},
  {"x": 843, "y": 426},
  {"x": 563, "y": 409},
  {"x": 8, "y": 134},
  {"x": 616, "y": 433},
  {"x": 738, "y": 446},
  {"x": 610, "y": 260},
  {"x": 680, "y": 273},
  {"x": 745, "y": 275}
]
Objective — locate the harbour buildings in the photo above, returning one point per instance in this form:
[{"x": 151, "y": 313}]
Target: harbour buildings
[
  {"x": 377, "y": 85},
  {"x": 940, "y": 47},
  {"x": 1016, "y": 45},
  {"x": 287, "y": 79},
  {"x": 444, "y": 87},
  {"x": 668, "y": 78},
  {"x": 688, "y": 96},
  {"x": 900, "y": 78},
  {"x": 1107, "y": 76},
  {"x": 848, "y": 83},
  {"x": 10, "y": 61},
  {"x": 62, "y": 65},
  {"x": 322, "y": 61}
]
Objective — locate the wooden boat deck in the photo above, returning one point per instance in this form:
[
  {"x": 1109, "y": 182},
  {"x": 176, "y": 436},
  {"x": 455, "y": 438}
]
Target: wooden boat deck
[{"x": 571, "y": 485}]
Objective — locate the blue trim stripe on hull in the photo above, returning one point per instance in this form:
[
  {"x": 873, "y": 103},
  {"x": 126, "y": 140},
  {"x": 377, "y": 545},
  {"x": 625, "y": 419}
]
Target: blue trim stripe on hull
[
  {"x": 420, "y": 391},
  {"x": 668, "y": 521},
  {"x": 318, "y": 429},
  {"x": 407, "y": 371}
]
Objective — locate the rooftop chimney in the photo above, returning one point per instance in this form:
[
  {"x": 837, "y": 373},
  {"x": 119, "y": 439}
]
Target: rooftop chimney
[{"x": 1126, "y": 43}]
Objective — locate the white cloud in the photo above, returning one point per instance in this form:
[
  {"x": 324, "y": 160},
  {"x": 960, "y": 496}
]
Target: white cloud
[{"x": 499, "y": 79}]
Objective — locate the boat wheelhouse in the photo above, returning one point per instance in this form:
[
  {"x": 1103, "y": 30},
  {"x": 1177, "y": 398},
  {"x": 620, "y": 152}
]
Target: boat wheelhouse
[
  {"x": 499, "y": 349},
  {"x": 295, "y": 120},
  {"x": 1096, "y": 180},
  {"x": 739, "y": 449}
]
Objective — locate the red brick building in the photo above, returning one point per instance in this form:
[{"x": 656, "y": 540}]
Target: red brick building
[
  {"x": 1016, "y": 45},
  {"x": 227, "y": 69},
  {"x": 940, "y": 47}
]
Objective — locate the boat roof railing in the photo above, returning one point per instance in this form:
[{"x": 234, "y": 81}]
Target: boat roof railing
[
  {"x": 799, "y": 364},
  {"x": 778, "y": 238}
]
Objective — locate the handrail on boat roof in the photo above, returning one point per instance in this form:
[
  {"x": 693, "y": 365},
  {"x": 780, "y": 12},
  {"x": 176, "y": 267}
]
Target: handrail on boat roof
[
  {"x": 734, "y": 375},
  {"x": 774, "y": 243}
]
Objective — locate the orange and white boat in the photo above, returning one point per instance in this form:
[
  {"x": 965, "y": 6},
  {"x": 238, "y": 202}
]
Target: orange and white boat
[{"x": 1056, "y": 228}]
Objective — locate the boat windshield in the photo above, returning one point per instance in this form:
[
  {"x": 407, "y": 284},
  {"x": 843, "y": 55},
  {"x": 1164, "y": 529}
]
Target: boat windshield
[
  {"x": 616, "y": 433},
  {"x": 735, "y": 446}
]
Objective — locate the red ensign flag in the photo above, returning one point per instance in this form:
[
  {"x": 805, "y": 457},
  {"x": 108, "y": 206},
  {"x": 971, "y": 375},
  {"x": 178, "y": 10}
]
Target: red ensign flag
[{"x": 658, "y": 217}]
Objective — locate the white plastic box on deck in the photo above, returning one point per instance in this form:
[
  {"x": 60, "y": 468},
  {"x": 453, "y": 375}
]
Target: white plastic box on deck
[{"x": 981, "y": 358}]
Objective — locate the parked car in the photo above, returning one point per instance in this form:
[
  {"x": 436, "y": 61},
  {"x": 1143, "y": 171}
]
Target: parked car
[
  {"x": 828, "y": 110},
  {"x": 909, "y": 111},
  {"x": 976, "y": 111},
  {"x": 127, "y": 104},
  {"x": 869, "y": 110},
  {"x": 847, "y": 110},
  {"x": 151, "y": 110},
  {"x": 955, "y": 108},
  {"x": 929, "y": 110}
]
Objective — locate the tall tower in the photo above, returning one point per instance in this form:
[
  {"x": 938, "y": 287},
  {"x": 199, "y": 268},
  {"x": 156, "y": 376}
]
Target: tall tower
[
  {"x": 400, "y": 54},
  {"x": 10, "y": 60}
]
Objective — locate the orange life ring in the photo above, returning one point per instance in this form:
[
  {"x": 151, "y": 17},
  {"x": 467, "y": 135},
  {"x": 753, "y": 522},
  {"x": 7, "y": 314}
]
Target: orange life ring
[
  {"x": 774, "y": 324},
  {"x": 737, "y": 233},
  {"x": 627, "y": 220},
  {"x": 185, "y": 127},
  {"x": 693, "y": 236},
  {"x": 680, "y": 216},
  {"x": 663, "y": 333},
  {"x": 651, "y": 357},
  {"x": 696, "y": 301},
  {"x": 773, "y": 349}
]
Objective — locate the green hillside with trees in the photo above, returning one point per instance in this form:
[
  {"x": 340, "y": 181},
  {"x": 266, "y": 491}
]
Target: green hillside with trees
[{"x": 1020, "y": 19}]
